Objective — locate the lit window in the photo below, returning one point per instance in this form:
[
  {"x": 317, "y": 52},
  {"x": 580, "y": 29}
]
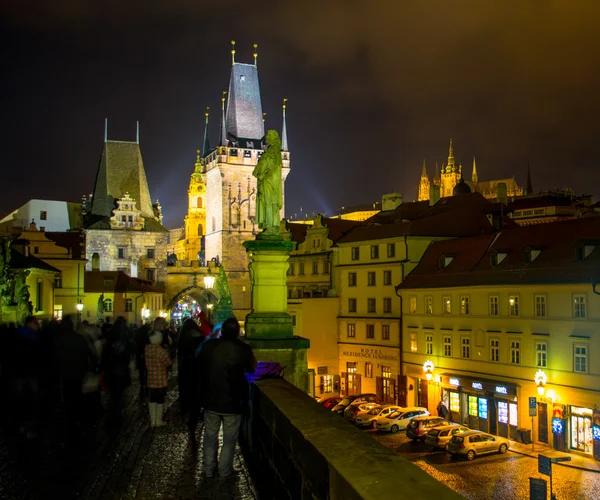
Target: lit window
[
  {"x": 513, "y": 302},
  {"x": 464, "y": 306},
  {"x": 447, "y": 346},
  {"x": 351, "y": 279},
  {"x": 494, "y": 309},
  {"x": 579, "y": 310},
  {"x": 387, "y": 277},
  {"x": 374, "y": 251},
  {"x": 446, "y": 305},
  {"x": 495, "y": 350},
  {"x": 541, "y": 354},
  {"x": 368, "y": 369},
  {"x": 351, "y": 329},
  {"x": 326, "y": 383},
  {"x": 385, "y": 332},
  {"x": 386, "y": 372},
  {"x": 540, "y": 306},
  {"x": 371, "y": 305},
  {"x": 412, "y": 305},
  {"x": 371, "y": 281},
  {"x": 580, "y": 364},
  {"x": 429, "y": 304},
  {"x": 413, "y": 342},
  {"x": 465, "y": 343},
  {"x": 128, "y": 305},
  {"x": 108, "y": 305},
  {"x": 387, "y": 305},
  {"x": 429, "y": 344},
  {"x": 515, "y": 352},
  {"x": 370, "y": 331}
]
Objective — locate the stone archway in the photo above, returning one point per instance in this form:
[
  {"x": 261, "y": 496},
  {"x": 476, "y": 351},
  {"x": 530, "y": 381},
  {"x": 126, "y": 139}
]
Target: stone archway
[{"x": 199, "y": 294}]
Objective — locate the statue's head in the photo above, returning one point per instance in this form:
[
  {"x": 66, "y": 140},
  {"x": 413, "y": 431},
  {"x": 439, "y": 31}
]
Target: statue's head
[{"x": 273, "y": 139}]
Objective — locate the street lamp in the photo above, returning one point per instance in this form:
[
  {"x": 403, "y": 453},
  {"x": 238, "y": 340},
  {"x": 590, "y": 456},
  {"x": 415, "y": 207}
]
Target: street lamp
[
  {"x": 540, "y": 380},
  {"x": 79, "y": 308},
  {"x": 145, "y": 313},
  {"x": 209, "y": 280},
  {"x": 428, "y": 369}
]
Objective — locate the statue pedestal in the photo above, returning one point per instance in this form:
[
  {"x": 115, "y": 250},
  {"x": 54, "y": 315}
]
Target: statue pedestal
[{"x": 269, "y": 328}]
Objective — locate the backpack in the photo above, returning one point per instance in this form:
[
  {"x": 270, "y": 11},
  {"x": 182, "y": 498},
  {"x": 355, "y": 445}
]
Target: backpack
[{"x": 266, "y": 370}]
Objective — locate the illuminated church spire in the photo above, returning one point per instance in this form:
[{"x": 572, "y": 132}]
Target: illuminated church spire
[
  {"x": 436, "y": 175},
  {"x": 450, "y": 167},
  {"x": 223, "y": 141},
  {"x": 284, "y": 140},
  {"x": 474, "y": 176},
  {"x": 206, "y": 145}
]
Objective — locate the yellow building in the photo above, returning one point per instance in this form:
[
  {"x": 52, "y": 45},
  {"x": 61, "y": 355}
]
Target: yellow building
[
  {"x": 491, "y": 312},
  {"x": 195, "y": 220}
]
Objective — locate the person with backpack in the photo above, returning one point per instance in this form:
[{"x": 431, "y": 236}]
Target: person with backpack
[{"x": 223, "y": 363}]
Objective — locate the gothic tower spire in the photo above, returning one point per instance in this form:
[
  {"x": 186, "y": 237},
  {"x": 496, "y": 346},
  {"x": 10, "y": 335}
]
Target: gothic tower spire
[
  {"x": 450, "y": 165},
  {"x": 424, "y": 185},
  {"x": 284, "y": 141},
  {"x": 424, "y": 171},
  {"x": 474, "y": 176},
  {"x": 436, "y": 176},
  {"x": 205, "y": 144},
  {"x": 223, "y": 141}
]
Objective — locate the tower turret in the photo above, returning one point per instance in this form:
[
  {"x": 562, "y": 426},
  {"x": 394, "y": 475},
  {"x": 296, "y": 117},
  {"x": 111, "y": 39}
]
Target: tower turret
[
  {"x": 450, "y": 167},
  {"x": 474, "y": 176},
  {"x": 205, "y": 143},
  {"x": 424, "y": 184},
  {"x": 284, "y": 141}
]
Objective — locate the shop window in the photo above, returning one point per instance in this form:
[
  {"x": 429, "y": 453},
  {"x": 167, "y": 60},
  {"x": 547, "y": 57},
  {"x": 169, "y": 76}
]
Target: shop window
[
  {"x": 473, "y": 406},
  {"x": 387, "y": 305},
  {"x": 315, "y": 267},
  {"x": 326, "y": 384},
  {"x": 371, "y": 281},
  {"x": 351, "y": 279},
  {"x": 128, "y": 305},
  {"x": 513, "y": 302},
  {"x": 371, "y": 305},
  {"x": 352, "y": 305},
  {"x": 448, "y": 346},
  {"x": 370, "y": 331},
  {"x": 368, "y": 369},
  {"x": 540, "y": 306},
  {"x": 108, "y": 305},
  {"x": 454, "y": 401},
  {"x": 301, "y": 269},
  {"x": 466, "y": 347},
  {"x": 541, "y": 354},
  {"x": 446, "y": 305},
  {"x": 391, "y": 249},
  {"x": 413, "y": 342},
  {"x": 412, "y": 305},
  {"x": 428, "y": 344},
  {"x": 483, "y": 408},
  {"x": 579, "y": 308},
  {"x": 581, "y": 429},
  {"x": 495, "y": 350},
  {"x": 494, "y": 309},
  {"x": 465, "y": 309},
  {"x": 386, "y": 372},
  {"x": 515, "y": 352},
  {"x": 374, "y": 251},
  {"x": 429, "y": 304},
  {"x": 355, "y": 253},
  {"x": 503, "y": 412},
  {"x": 351, "y": 330},
  {"x": 387, "y": 278},
  {"x": 580, "y": 363},
  {"x": 385, "y": 332},
  {"x": 513, "y": 414}
]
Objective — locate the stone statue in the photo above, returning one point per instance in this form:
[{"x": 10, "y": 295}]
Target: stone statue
[
  {"x": 269, "y": 197},
  {"x": 24, "y": 306}
]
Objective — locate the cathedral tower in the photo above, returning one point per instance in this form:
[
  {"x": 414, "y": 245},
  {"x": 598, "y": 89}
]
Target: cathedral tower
[
  {"x": 450, "y": 174},
  {"x": 424, "y": 184},
  {"x": 195, "y": 220}
]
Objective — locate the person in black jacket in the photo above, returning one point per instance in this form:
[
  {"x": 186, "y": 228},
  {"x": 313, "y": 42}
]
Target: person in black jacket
[
  {"x": 189, "y": 339},
  {"x": 223, "y": 394}
]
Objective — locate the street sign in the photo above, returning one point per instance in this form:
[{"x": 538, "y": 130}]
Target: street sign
[
  {"x": 538, "y": 489},
  {"x": 533, "y": 407},
  {"x": 544, "y": 465}
]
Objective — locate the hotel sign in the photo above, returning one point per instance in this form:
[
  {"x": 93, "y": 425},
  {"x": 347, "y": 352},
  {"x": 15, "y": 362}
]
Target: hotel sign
[{"x": 370, "y": 353}]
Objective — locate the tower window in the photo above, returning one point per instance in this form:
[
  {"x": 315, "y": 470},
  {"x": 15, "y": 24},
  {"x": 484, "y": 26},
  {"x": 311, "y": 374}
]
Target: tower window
[
  {"x": 43, "y": 215},
  {"x": 242, "y": 78},
  {"x": 247, "y": 153}
]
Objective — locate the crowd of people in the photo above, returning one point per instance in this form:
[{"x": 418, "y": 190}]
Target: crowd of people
[{"x": 65, "y": 366}]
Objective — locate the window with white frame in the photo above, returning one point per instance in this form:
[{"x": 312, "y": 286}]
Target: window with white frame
[
  {"x": 579, "y": 307},
  {"x": 580, "y": 362},
  {"x": 494, "y": 309},
  {"x": 495, "y": 350},
  {"x": 355, "y": 253},
  {"x": 429, "y": 343},
  {"x": 515, "y": 352},
  {"x": 429, "y": 304},
  {"x": 540, "y": 306},
  {"x": 387, "y": 305},
  {"x": 465, "y": 343},
  {"x": 327, "y": 383},
  {"x": 446, "y": 305},
  {"x": 385, "y": 332},
  {"x": 541, "y": 354},
  {"x": 413, "y": 342},
  {"x": 412, "y": 305},
  {"x": 315, "y": 267},
  {"x": 352, "y": 305},
  {"x": 465, "y": 308},
  {"x": 368, "y": 369},
  {"x": 391, "y": 249},
  {"x": 374, "y": 251},
  {"x": 351, "y": 329},
  {"x": 513, "y": 302},
  {"x": 351, "y": 279},
  {"x": 448, "y": 346}
]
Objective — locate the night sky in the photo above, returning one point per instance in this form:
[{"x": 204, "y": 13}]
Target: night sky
[{"x": 373, "y": 87}]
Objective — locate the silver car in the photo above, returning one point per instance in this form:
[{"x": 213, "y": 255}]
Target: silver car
[
  {"x": 473, "y": 443},
  {"x": 369, "y": 418},
  {"x": 438, "y": 437}
]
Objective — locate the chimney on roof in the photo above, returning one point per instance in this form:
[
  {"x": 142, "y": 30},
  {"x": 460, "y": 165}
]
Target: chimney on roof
[
  {"x": 501, "y": 192},
  {"x": 434, "y": 195},
  {"x": 391, "y": 201}
]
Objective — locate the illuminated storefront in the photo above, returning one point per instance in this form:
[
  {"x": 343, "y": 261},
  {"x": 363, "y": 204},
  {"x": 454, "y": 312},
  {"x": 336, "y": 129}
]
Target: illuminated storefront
[{"x": 580, "y": 431}]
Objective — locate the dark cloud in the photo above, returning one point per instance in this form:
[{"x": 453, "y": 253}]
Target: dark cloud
[{"x": 374, "y": 88}]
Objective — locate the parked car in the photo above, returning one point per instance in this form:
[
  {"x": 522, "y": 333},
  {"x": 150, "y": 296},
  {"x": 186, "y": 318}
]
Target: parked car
[
  {"x": 418, "y": 427},
  {"x": 438, "y": 437},
  {"x": 328, "y": 402},
  {"x": 354, "y": 409},
  {"x": 473, "y": 443},
  {"x": 400, "y": 419},
  {"x": 348, "y": 400},
  {"x": 369, "y": 418}
]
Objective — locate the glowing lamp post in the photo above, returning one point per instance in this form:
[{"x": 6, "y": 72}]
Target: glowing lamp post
[
  {"x": 540, "y": 380},
  {"x": 209, "y": 280},
  {"x": 145, "y": 313},
  {"x": 428, "y": 369},
  {"x": 79, "y": 308}
]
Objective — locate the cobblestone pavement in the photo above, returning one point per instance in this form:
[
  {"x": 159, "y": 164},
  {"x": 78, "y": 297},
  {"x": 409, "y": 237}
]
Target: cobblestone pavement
[
  {"x": 493, "y": 476},
  {"x": 131, "y": 462}
]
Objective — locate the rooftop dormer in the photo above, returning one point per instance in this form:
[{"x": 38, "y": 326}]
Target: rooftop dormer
[
  {"x": 444, "y": 260},
  {"x": 497, "y": 256},
  {"x": 126, "y": 215}
]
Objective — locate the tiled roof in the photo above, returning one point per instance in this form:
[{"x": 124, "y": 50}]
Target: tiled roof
[
  {"x": 150, "y": 225},
  {"x": 117, "y": 281},
  {"x": 540, "y": 201},
  {"x": 298, "y": 231},
  {"x": 406, "y": 211},
  {"x": 472, "y": 263}
]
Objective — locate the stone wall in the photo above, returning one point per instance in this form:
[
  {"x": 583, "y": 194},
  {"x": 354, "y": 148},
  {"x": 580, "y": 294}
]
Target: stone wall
[{"x": 300, "y": 450}]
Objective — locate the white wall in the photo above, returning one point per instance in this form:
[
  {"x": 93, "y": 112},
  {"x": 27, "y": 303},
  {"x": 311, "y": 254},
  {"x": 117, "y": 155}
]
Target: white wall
[{"x": 57, "y": 215}]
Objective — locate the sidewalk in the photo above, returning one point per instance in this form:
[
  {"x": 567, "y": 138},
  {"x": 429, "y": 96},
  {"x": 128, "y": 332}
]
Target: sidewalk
[
  {"x": 577, "y": 461},
  {"x": 133, "y": 462}
]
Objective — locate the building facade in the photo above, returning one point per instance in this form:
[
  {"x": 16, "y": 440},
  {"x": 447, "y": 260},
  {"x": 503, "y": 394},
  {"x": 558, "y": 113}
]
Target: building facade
[{"x": 48, "y": 215}]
